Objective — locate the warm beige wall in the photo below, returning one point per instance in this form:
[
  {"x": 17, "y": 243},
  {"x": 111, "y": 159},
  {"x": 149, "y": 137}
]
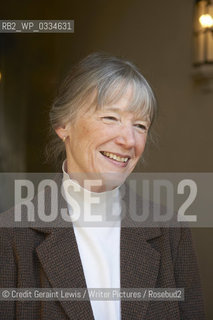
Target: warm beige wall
[{"x": 157, "y": 36}]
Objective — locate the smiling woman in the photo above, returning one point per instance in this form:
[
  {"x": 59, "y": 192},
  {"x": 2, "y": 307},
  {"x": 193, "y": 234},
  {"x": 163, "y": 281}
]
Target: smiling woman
[
  {"x": 114, "y": 94},
  {"x": 103, "y": 113},
  {"x": 101, "y": 120}
]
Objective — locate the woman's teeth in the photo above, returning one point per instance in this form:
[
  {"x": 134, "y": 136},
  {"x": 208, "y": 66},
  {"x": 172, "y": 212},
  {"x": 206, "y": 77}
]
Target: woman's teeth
[{"x": 114, "y": 157}]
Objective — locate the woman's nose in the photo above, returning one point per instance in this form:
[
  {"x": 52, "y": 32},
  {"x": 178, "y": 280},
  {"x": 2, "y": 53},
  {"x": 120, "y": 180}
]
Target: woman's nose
[{"x": 126, "y": 137}]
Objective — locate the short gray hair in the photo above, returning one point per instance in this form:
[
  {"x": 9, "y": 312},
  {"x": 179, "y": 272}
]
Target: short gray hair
[{"x": 108, "y": 77}]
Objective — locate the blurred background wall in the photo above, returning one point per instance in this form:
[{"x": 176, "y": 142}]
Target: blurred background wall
[{"x": 157, "y": 36}]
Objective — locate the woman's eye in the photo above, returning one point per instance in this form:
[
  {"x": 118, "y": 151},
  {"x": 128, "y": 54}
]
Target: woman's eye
[
  {"x": 110, "y": 118},
  {"x": 142, "y": 127}
]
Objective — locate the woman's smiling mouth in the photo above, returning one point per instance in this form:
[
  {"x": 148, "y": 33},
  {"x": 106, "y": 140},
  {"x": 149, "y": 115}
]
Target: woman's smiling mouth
[{"x": 115, "y": 158}]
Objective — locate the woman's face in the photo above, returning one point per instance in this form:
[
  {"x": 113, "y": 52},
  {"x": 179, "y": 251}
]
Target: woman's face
[{"x": 106, "y": 142}]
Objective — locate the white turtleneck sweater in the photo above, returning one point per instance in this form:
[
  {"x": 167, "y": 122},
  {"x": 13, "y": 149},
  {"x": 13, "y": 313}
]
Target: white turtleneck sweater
[{"x": 99, "y": 247}]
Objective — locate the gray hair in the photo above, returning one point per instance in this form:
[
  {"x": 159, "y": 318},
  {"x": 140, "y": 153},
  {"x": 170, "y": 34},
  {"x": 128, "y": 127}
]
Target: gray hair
[{"x": 106, "y": 78}]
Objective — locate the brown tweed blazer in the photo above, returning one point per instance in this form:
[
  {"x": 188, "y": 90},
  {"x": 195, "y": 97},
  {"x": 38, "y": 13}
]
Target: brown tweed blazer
[{"x": 149, "y": 257}]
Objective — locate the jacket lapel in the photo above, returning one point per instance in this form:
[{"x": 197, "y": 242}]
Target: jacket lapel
[
  {"x": 139, "y": 267},
  {"x": 139, "y": 262},
  {"x": 61, "y": 262},
  {"x": 60, "y": 259}
]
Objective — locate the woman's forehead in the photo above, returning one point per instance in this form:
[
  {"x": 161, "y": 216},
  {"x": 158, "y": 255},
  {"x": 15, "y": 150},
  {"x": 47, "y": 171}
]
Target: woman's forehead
[
  {"x": 120, "y": 109},
  {"x": 121, "y": 97},
  {"x": 132, "y": 97}
]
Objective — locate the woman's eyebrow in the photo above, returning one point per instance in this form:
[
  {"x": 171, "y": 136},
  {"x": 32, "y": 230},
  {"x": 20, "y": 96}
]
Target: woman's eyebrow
[
  {"x": 111, "y": 109},
  {"x": 143, "y": 119}
]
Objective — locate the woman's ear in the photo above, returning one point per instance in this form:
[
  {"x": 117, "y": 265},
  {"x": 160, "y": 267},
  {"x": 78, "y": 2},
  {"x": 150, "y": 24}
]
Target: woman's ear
[{"x": 62, "y": 132}]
